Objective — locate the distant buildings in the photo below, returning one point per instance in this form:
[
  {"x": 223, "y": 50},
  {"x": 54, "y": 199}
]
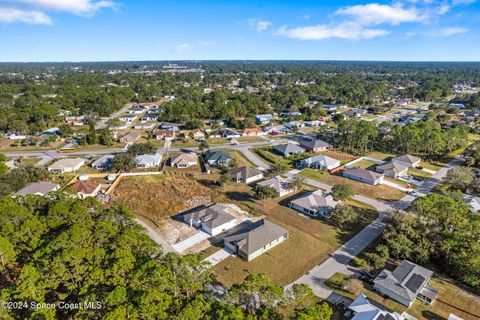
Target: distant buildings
[{"x": 264, "y": 118}]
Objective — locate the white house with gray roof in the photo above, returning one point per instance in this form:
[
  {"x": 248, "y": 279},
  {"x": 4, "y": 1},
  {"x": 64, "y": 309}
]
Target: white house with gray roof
[
  {"x": 252, "y": 241},
  {"x": 66, "y": 165},
  {"x": 319, "y": 162},
  {"x": 393, "y": 169},
  {"x": 37, "y": 188},
  {"x": 103, "y": 163},
  {"x": 281, "y": 186},
  {"x": 213, "y": 219},
  {"x": 406, "y": 283},
  {"x": 288, "y": 149},
  {"x": 363, "y": 175},
  {"x": 246, "y": 174},
  {"x": 148, "y": 160},
  {"x": 314, "y": 204},
  {"x": 407, "y": 160},
  {"x": 364, "y": 308}
]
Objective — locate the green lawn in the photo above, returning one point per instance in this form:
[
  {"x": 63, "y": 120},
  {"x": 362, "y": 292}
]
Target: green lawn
[
  {"x": 250, "y": 139},
  {"x": 269, "y": 156},
  {"x": 313, "y": 174},
  {"x": 241, "y": 159},
  {"x": 365, "y": 164}
]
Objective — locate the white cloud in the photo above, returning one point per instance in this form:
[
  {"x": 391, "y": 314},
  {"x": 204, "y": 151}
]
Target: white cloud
[
  {"x": 451, "y": 31},
  {"x": 259, "y": 25},
  {"x": 78, "y": 7},
  {"x": 375, "y": 14},
  {"x": 11, "y": 15},
  {"x": 182, "y": 47},
  {"x": 306, "y": 16},
  {"x": 347, "y": 30}
]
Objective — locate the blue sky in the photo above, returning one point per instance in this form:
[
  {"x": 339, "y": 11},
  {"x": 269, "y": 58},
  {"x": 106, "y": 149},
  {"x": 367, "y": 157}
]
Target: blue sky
[{"x": 99, "y": 30}]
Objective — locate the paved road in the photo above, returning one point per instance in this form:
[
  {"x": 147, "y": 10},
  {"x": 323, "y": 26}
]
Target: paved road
[
  {"x": 103, "y": 122},
  {"x": 166, "y": 247}
]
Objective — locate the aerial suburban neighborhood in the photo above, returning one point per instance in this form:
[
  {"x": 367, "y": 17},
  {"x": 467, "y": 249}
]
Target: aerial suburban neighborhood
[{"x": 239, "y": 189}]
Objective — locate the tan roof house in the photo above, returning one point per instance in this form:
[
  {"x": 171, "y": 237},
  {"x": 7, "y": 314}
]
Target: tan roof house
[
  {"x": 246, "y": 174},
  {"x": 66, "y": 165},
  {"x": 183, "y": 160}
]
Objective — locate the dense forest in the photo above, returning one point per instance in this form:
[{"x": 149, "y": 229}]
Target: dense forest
[
  {"x": 60, "y": 251},
  {"x": 33, "y": 95}
]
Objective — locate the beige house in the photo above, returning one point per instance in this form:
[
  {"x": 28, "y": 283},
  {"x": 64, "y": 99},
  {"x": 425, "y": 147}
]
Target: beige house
[
  {"x": 66, "y": 165},
  {"x": 130, "y": 137},
  {"x": 184, "y": 160},
  {"x": 246, "y": 174}
]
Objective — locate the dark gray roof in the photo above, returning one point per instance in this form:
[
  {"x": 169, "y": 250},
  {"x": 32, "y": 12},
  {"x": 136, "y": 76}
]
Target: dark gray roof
[
  {"x": 407, "y": 158},
  {"x": 365, "y": 174},
  {"x": 256, "y": 236},
  {"x": 289, "y": 148},
  {"x": 217, "y": 155},
  {"x": 41, "y": 187},
  {"x": 212, "y": 216},
  {"x": 391, "y": 166},
  {"x": 406, "y": 280},
  {"x": 317, "y": 143},
  {"x": 244, "y": 172}
]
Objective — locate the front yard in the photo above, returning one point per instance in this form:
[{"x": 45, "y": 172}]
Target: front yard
[{"x": 310, "y": 242}]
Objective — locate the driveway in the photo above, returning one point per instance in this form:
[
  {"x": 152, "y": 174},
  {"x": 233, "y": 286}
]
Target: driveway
[
  {"x": 190, "y": 242},
  {"x": 395, "y": 185},
  {"x": 155, "y": 236},
  {"x": 219, "y": 256}
]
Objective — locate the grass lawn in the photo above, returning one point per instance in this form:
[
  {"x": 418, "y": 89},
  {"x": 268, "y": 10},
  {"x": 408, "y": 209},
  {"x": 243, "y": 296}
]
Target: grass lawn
[
  {"x": 451, "y": 299},
  {"x": 217, "y": 141},
  {"x": 185, "y": 143},
  {"x": 313, "y": 174},
  {"x": 241, "y": 159},
  {"x": 250, "y": 139},
  {"x": 380, "y": 192},
  {"x": 26, "y": 161},
  {"x": 419, "y": 173},
  {"x": 310, "y": 242},
  {"x": 157, "y": 143},
  {"x": 115, "y": 145},
  {"x": 398, "y": 181},
  {"x": 270, "y": 157},
  {"x": 430, "y": 166},
  {"x": 380, "y": 155},
  {"x": 366, "y": 164}
]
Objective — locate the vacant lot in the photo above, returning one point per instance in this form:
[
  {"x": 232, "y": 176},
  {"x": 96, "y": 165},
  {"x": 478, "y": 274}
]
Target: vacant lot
[
  {"x": 310, "y": 241},
  {"x": 268, "y": 155},
  {"x": 159, "y": 196},
  {"x": 313, "y": 174},
  {"x": 380, "y": 192},
  {"x": 366, "y": 164},
  {"x": 241, "y": 159}
]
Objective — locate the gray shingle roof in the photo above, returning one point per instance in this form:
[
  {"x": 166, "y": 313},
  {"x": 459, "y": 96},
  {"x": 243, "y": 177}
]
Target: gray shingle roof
[
  {"x": 391, "y": 166},
  {"x": 244, "y": 172},
  {"x": 289, "y": 148},
  {"x": 406, "y": 280},
  {"x": 315, "y": 201},
  {"x": 364, "y": 174},
  {"x": 317, "y": 143},
  {"x": 41, "y": 187},
  {"x": 407, "y": 158},
  {"x": 217, "y": 155},
  {"x": 256, "y": 236},
  {"x": 212, "y": 216}
]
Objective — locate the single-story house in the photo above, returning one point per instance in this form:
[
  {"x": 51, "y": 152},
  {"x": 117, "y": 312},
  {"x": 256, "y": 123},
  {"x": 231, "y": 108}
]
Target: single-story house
[
  {"x": 407, "y": 160},
  {"x": 148, "y": 160},
  {"x": 169, "y": 126},
  {"x": 144, "y": 126},
  {"x": 314, "y": 204},
  {"x": 217, "y": 158},
  {"x": 251, "y": 242},
  {"x": 228, "y": 133},
  {"x": 290, "y": 125},
  {"x": 291, "y": 114},
  {"x": 392, "y": 169},
  {"x": 213, "y": 219},
  {"x": 184, "y": 160},
  {"x": 319, "y": 162},
  {"x": 130, "y": 137},
  {"x": 150, "y": 117},
  {"x": 129, "y": 118},
  {"x": 288, "y": 149},
  {"x": 365, "y": 176},
  {"x": 406, "y": 283},
  {"x": 355, "y": 113},
  {"x": 164, "y": 134},
  {"x": 103, "y": 163},
  {"x": 263, "y": 118},
  {"x": 314, "y": 123},
  {"x": 136, "y": 111},
  {"x": 280, "y": 185},
  {"x": 37, "y": 188},
  {"x": 66, "y": 165},
  {"x": 364, "y": 308},
  {"x": 316, "y": 145},
  {"x": 249, "y": 132},
  {"x": 246, "y": 174},
  {"x": 197, "y": 134},
  {"x": 51, "y": 131},
  {"x": 274, "y": 130},
  {"x": 85, "y": 188}
]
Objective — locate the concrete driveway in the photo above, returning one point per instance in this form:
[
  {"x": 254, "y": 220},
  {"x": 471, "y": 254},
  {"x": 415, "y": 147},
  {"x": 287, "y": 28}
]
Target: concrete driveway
[
  {"x": 219, "y": 256},
  {"x": 190, "y": 242}
]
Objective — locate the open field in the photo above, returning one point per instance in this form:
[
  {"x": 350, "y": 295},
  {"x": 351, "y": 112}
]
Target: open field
[
  {"x": 380, "y": 192},
  {"x": 419, "y": 173},
  {"x": 313, "y": 174},
  {"x": 267, "y": 155},
  {"x": 380, "y": 155},
  {"x": 366, "y": 164},
  {"x": 315, "y": 238},
  {"x": 184, "y": 143},
  {"x": 250, "y": 139}
]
